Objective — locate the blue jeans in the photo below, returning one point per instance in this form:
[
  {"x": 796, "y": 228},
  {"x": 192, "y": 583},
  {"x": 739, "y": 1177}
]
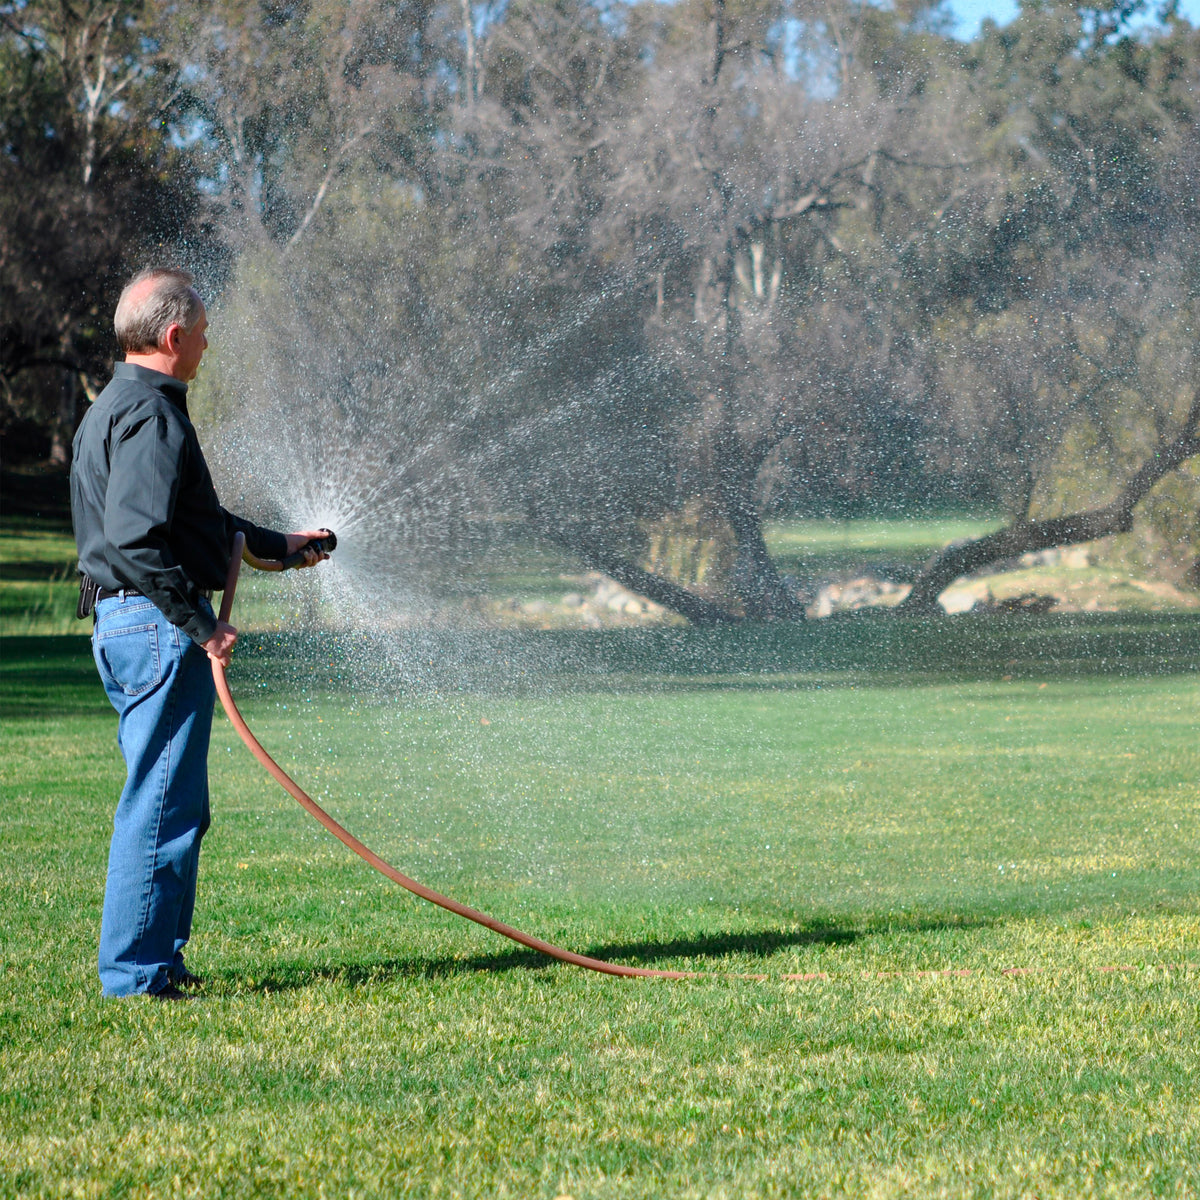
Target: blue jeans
[{"x": 161, "y": 685}]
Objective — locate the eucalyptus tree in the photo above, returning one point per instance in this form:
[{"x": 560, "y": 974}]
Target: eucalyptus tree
[
  {"x": 284, "y": 100},
  {"x": 746, "y": 171},
  {"x": 88, "y": 184},
  {"x": 451, "y": 364},
  {"x": 314, "y": 125},
  {"x": 790, "y": 183},
  {"x": 1065, "y": 340}
]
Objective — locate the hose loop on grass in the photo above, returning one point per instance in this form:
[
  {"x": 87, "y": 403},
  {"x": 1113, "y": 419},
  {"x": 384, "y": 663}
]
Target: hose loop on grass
[{"x": 364, "y": 852}]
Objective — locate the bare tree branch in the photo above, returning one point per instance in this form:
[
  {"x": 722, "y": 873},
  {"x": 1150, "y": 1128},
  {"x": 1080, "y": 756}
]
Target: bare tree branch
[
  {"x": 601, "y": 557},
  {"x": 319, "y": 197},
  {"x": 1027, "y": 536}
]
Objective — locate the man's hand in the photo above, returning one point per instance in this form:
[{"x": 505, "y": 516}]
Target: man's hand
[
  {"x": 220, "y": 645},
  {"x": 297, "y": 541}
]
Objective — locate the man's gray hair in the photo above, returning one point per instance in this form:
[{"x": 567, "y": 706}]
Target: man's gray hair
[{"x": 142, "y": 320}]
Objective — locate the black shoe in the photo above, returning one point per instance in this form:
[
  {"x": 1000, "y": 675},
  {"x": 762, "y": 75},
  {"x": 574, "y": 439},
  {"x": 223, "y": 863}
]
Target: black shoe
[
  {"x": 170, "y": 992},
  {"x": 183, "y": 978}
]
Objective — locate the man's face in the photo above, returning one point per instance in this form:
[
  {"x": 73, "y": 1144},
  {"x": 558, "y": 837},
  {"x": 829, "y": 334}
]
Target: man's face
[{"x": 190, "y": 349}]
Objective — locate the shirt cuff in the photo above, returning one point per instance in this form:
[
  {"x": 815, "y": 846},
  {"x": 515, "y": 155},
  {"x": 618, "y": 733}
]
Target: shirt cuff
[{"x": 201, "y": 626}]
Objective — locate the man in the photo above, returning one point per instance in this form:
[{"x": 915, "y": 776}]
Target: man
[{"x": 153, "y": 543}]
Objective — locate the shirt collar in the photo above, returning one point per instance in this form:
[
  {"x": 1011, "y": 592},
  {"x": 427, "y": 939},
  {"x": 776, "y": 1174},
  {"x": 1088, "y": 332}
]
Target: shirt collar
[{"x": 174, "y": 389}]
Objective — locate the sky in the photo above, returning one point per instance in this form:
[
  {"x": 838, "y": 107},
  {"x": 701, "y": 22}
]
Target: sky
[{"x": 971, "y": 13}]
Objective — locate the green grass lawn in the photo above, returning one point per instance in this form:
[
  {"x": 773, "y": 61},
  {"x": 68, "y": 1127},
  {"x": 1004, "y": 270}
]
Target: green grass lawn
[
  {"x": 792, "y": 803},
  {"x": 38, "y": 584},
  {"x": 975, "y": 837},
  {"x": 895, "y": 545}
]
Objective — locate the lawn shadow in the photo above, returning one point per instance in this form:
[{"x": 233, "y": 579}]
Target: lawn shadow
[
  {"x": 872, "y": 647},
  {"x": 664, "y": 955}
]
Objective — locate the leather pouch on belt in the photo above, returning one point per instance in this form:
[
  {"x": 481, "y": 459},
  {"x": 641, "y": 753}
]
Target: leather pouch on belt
[{"x": 88, "y": 588}]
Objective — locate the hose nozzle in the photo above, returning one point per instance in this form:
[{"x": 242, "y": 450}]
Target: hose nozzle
[{"x": 325, "y": 544}]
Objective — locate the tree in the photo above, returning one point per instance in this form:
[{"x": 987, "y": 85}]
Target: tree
[
  {"x": 620, "y": 270},
  {"x": 88, "y": 185},
  {"x": 436, "y": 341},
  {"x": 1075, "y": 372},
  {"x": 286, "y": 97},
  {"x": 754, "y": 206}
]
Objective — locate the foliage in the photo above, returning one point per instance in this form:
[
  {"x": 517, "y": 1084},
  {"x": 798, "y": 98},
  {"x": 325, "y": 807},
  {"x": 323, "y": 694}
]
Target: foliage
[
  {"x": 600, "y": 268},
  {"x": 89, "y": 188},
  {"x": 1071, "y": 350}
]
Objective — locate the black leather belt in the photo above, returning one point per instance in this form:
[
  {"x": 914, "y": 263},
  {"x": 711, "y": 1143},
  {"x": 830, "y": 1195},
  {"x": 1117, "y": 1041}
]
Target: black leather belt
[
  {"x": 90, "y": 593},
  {"x": 105, "y": 594}
]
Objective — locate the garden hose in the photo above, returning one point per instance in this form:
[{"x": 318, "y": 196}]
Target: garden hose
[
  {"x": 418, "y": 889},
  {"x": 348, "y": 839}
]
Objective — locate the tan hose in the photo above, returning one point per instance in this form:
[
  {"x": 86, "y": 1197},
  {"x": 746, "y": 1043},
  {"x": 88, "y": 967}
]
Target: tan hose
[
  {"x": 259, "y": 564},
  {"x": 365, "y": 852}
]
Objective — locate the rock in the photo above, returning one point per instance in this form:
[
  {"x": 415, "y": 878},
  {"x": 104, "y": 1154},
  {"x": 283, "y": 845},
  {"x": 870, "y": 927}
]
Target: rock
[
  {"x": 1073, "y": 557},
  {"x": 957, "y": 601},
  {"x": 864, "y": 592}
]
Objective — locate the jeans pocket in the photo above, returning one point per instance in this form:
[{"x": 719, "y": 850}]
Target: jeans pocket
[{"x": 130, "y": 657}]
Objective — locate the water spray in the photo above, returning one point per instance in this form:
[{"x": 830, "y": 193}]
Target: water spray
[{"x": 343, "y": 835}]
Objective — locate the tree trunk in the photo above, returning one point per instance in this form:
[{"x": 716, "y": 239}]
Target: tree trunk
[
  {"x": 763, "y": 594},
  {"x": 63, "y": 428},
  {"x": 1027, "y": 536},
  {"x": 653, "y": 587},
  {"x": 469, "y": 87}
]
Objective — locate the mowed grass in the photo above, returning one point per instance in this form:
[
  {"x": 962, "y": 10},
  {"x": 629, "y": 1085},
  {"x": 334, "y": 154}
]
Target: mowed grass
[
  {"x": 40, "y": 586},
  {"x": 976, "y": 838},
  {"x": 897, "y": 546}
]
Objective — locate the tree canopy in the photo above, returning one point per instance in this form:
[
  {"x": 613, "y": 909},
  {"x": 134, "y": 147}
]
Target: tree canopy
[{"x": 620, "y": 271}]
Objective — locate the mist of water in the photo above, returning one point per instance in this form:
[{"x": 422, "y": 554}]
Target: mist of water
[{"x": 418, "y": 477}]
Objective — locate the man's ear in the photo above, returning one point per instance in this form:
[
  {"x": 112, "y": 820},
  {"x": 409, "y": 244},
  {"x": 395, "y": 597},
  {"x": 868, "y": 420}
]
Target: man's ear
[{"x": 170, "y": 339}]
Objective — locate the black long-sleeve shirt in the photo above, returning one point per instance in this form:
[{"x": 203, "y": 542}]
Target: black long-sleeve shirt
[{"x": 145, "y": 512}]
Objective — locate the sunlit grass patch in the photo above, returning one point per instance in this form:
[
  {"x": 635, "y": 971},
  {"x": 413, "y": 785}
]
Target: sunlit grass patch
[
  {"x": 828, "y": 540},
  {"x": 40, "y": 586}
]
